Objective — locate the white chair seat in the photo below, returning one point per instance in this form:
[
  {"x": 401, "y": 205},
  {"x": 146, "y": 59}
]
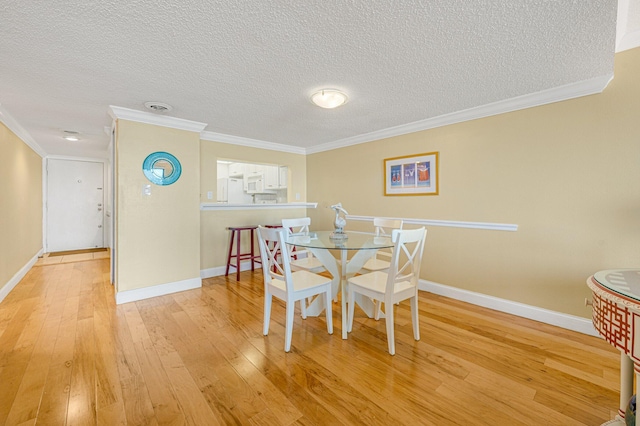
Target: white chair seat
[
  {"x": 375, "y": 264},
  {"x": 309, "y": 263},
  {"x": 375, "y": 283},
  {"x": 302, "y": 280}
]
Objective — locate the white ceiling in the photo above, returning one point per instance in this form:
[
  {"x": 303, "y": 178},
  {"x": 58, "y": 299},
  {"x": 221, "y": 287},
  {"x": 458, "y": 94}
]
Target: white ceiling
[{"x": 247, "y": 69}]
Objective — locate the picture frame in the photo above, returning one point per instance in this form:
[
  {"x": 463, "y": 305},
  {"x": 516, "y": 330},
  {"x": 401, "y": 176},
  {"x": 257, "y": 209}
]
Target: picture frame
[{"x": 412, "y": 174}]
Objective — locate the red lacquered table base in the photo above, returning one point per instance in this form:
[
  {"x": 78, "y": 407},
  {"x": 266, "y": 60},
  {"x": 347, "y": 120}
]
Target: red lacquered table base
[{"x": 616, "y": 317}]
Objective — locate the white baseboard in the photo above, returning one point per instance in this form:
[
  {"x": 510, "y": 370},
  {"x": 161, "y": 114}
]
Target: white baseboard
[
  {"x": 559, "y": 319},
  {"x": 220, "y": 270},
  {"x": 6, "y": 289},
  {"x": 157, "y": 290},
  {"x": 569, "y": 322}
]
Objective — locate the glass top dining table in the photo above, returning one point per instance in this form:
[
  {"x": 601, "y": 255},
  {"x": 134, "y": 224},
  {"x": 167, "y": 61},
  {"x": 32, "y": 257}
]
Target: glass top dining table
[
  {"x": 361, "y": 246},
  {"x": 353, "y": 241}
]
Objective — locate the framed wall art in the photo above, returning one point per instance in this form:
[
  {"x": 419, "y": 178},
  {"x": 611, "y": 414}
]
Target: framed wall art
[{"x": 411, "y": 175}]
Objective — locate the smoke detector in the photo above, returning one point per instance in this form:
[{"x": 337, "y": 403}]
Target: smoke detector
[{"x": 158, "y": 107}]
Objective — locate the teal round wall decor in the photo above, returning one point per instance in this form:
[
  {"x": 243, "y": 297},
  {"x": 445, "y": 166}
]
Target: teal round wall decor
[{"x": 161, "y": 168}]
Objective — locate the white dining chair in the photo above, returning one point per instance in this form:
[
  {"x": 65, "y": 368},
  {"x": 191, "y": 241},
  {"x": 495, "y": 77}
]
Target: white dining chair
[
  {"x": 383, "y": 227},
  {"x": 399, "y": 283},
  {"x": 288, "y": 286},
  {"x": 380, "y": 262},
  {"x": 301, "y": 259}
]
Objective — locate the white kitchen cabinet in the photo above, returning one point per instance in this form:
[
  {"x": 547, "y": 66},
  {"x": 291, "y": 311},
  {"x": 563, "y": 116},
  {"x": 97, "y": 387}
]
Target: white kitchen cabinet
[
  {"x": 271, "y": 177},
  {"x": 256, "y": 179},
  {"x": 283, "y": 177},
  {"x": 254, "y": 168},
  {"x": 237, "y": 169},
  {"x": 252, "y": 172}
]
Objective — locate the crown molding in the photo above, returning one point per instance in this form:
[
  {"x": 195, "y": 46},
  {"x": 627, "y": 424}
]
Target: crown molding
[
  {"x": 20, "y": 132},
  {"x": 117, "y": 112},
  {"x": 626, "y": 39},
  {"x": 77, "y": 158},
  {"x": 557, "y": 94},
  {"x": 252, "y": 143}
]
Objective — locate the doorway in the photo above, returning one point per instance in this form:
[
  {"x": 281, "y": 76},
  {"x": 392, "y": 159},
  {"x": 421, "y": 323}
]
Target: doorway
[{"x": 75, "y": 205}]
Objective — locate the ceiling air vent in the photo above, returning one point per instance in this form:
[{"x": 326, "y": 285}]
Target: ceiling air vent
[
  {"x": 158, "y": 106},
  {"x": 70, "y": 135}
]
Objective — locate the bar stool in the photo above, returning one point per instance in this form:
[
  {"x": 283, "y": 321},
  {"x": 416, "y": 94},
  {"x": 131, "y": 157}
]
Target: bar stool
[{"x": 238, "y": 257}]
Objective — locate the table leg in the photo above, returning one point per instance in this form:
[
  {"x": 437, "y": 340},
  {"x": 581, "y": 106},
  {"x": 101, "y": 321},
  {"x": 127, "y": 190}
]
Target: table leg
[
  {"x": 343, "y": 286},
  {"x": 316, "y": 307},
  {"x": 354, "y": 266}
]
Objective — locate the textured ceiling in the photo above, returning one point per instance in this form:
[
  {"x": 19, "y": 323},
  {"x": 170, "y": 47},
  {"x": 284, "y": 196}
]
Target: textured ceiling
[{"x": 247, "y": 69}]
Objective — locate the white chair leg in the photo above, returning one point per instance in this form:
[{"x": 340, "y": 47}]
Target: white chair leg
[
  {"x": 377, "y": 306},
  {"x": 388, "y": 315},
  {"x": 267, "y": 312},
  {"x": 414, "y": 317},
  {"x": 350, "y": 309},
  {"x": 303, "y": 308},
  {"x": 329, "y": 311},
  {"x": 289, "y": 326}
]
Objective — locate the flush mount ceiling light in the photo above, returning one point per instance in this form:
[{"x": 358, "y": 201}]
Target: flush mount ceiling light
[
  {"x": 329, "y": 98},
  {"x": 158, "y": 106},
  {"x": 70, "y": 135}
]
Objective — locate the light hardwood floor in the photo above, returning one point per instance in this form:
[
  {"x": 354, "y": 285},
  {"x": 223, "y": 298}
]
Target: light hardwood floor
[
  {"x": 69, "y": 355},
  {"x": 70, "y": 258}
]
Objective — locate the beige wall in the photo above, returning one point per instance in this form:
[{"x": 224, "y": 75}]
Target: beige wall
[
  {"x": 214, "y": 235},
  {"x": 20, "y": 204},
  {"x": 568, "y": 174},
  {"x": 158, "y": 236}
]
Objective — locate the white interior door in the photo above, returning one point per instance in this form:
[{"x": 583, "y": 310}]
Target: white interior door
[{"x": 75, "y": 205}]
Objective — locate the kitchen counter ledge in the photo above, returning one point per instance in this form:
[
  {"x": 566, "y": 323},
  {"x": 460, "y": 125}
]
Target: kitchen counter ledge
[{"x": 227, "y": 206}]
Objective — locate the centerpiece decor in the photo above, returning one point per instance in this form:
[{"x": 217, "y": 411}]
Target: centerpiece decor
[{"x": 339, "y": 224}]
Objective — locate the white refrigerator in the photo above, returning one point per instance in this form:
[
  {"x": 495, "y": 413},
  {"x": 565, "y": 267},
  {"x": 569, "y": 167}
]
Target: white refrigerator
[{"x": 231, "y": 190}]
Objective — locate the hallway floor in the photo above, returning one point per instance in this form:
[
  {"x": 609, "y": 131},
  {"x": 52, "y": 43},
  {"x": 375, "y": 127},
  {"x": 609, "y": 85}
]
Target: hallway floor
[{"x": 49, "y": 259}]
